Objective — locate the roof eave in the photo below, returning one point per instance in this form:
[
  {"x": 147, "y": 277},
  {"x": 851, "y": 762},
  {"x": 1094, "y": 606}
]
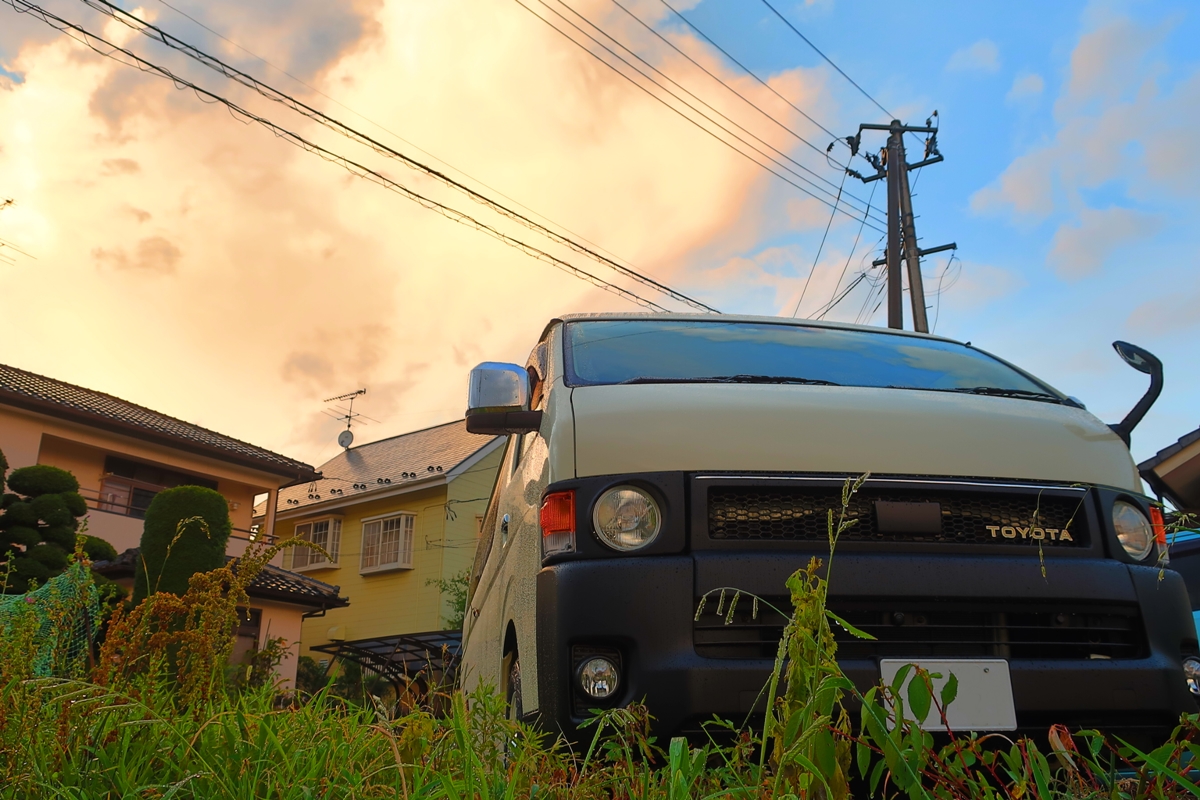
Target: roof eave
[{"x": 300, "y": 473}]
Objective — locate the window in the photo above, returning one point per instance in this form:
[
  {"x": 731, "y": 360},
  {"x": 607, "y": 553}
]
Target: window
[
  {"x": 326, "y": 533},
  {"x": 129, "y": 486},
  {"x": 387, "y": 543},
  {"x": 606, "y": 352}
]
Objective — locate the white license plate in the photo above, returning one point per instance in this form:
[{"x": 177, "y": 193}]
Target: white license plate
[{"x": 984, "y": 701}]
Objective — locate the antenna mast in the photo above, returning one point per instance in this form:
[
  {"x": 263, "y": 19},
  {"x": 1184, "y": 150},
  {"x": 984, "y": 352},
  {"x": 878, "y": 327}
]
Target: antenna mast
[{"x": 346, "y": 437}]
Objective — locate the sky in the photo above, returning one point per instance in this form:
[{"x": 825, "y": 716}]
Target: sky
[{"x": 164, "y": 249}]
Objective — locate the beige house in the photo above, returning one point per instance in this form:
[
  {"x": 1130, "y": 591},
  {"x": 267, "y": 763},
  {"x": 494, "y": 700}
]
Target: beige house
[
  {"x": 123, "y": 454},
  {"x": 393, "y": 516},
  {"x": 1174, "y": 472}
]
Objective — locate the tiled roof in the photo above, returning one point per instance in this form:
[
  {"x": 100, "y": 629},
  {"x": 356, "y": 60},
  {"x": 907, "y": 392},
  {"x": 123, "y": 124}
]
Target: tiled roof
[
  {"x": 383, "y": 465},
  {"x": 57, "y": 398},
  {"x": 1170, "y": 450},
  {"x": 272, "y": 583}
]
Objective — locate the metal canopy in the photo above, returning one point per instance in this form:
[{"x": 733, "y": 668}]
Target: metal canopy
[{"x": 430, "y": 658}]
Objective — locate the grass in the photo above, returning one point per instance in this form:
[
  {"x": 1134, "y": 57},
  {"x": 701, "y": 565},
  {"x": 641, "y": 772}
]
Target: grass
[{"x": 157, "y": 716}]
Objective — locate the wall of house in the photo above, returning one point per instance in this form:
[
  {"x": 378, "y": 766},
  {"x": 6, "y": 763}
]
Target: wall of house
[
  {"x": 27, "y": 438},
  {"x": 381, "y": 603},
  {"x": 281, "y": 620}
]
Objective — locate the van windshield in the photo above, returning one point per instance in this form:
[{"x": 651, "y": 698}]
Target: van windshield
[{"x": 607, "y": 352}]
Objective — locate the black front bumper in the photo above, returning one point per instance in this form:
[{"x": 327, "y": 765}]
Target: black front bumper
[{"x": 644, "y": 607}]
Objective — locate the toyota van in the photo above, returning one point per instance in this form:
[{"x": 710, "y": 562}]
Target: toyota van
[{"x": 1003, "y": 533}]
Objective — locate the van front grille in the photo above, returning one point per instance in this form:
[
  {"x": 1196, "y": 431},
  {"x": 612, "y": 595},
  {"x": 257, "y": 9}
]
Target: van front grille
[
  {"x": 800, "y": 513},
  {"x": 907, "y": 628}
]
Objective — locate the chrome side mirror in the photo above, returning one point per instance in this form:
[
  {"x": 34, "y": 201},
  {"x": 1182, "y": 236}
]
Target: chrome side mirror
[{"x": 498, "y": 400}]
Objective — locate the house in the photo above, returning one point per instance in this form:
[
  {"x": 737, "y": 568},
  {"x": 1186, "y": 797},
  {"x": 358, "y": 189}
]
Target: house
[
  {"x": 279, "y": 602},
  {"x": 123, "y": 454},
  {"x": 392, "y": 517},
  {"x": 1174, "y": 472}
]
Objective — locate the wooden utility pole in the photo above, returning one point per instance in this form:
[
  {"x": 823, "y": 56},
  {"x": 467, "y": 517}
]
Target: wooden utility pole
[{"x": 901, "y": 227}]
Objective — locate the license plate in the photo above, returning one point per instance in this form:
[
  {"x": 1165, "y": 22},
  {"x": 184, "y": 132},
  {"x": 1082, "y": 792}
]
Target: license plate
[{"x": 984, "y": 701}]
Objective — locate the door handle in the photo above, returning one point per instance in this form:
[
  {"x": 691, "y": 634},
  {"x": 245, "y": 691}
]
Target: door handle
[{"x": 504, "y": 530}]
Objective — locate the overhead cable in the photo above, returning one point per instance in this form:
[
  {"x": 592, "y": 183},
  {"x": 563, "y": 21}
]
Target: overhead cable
[
  {"x": 738, "y": 94},
  {"x": 115, "y": 52},
  {"x": 832, "y": 302},
  {"x": 749, "y": 71},
  {"x": 390, "y": 132},
  {"x": 820, "y": 247},
  {"x": 742, "y": 153},
  {"x": 691, "y": 94},
  {"x": 275, "y": 95}
]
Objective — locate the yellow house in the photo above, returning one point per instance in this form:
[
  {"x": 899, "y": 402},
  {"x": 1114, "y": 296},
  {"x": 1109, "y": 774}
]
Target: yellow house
[
  {"x": 394, "y": 516},
  {"x": 123, "y": 454}
]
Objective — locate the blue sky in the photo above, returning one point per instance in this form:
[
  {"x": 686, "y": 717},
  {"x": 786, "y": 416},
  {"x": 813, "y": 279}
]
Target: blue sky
[
  {"x": 1068, "y": 186},
  {"x": 1000, "y": 76}
]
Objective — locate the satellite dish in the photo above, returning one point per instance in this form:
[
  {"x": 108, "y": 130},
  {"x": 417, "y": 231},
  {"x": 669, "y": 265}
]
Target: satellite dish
[{"x": 346, "y": 438}]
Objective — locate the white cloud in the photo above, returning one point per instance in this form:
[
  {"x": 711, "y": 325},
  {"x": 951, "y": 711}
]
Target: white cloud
[
  {"x": 982, "y": 56},
  {"x": 1167, "y": 314},
  {"x": 1025, "y": 86},
  {"x": 242, "y": 268},
  {"x": 1083, "y": 247}
]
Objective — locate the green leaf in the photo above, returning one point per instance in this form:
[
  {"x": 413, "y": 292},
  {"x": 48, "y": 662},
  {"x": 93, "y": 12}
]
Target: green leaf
[
  {"x": 898, "y": 681},
  {"x": 949, "y": 691},
  {"x": 853, "y": 631},
  {"x": 862, "y": 754},
  {"x": 918, "y": 696}
]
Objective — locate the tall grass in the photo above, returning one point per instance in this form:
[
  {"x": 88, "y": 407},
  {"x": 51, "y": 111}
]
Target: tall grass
[{"x": 157, "y": 717}]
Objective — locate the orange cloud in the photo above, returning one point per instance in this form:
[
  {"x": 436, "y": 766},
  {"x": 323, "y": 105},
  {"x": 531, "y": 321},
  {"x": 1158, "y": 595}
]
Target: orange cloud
[{"x": 202, "y": 267}]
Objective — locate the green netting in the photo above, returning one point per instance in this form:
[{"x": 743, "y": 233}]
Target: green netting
[{"x": 53, "y": 625}]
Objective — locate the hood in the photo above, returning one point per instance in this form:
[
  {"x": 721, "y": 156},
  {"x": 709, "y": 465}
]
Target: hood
[{"x": 850, "y": 430}]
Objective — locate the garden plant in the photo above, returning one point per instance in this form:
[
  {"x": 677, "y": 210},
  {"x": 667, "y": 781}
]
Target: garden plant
[{"x": 155, "y": 715}]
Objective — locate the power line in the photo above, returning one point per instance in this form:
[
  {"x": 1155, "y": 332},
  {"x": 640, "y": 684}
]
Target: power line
[
  {"x": 832, "y": 302},
  {"x": 821, "y": 247},
  {"x": 745, "y": 155},
  {"x": 95, "y": 43},
  {"x": 157, "y": 34},
  {"x": 691, "y": 94},
  {"x": 723, "y": 83},
  {"x": 392, "y": 133},
  {"x": 826, "y": 58},
  {"x": 747, "y": 70}
]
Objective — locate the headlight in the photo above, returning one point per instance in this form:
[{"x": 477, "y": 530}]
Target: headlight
[
  {"x": 1133, "y": 529},
  {"x": 1191, "y": 672},
  {"x": 626, "y": 518}
]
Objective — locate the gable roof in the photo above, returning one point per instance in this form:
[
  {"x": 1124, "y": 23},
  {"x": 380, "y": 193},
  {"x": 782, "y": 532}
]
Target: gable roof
[
  {"x": 271, "y": 583},
  {"x": 55, "y": 398},
  {"x": 1181, "y": 481},
  {"x": 408, "y": 459}
]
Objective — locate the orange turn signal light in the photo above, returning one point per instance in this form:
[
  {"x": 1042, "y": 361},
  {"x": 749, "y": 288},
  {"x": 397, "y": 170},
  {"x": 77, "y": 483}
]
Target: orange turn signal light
[
  {"x": 1159, "y": 525},
  {"x": 558, "y": 513}
]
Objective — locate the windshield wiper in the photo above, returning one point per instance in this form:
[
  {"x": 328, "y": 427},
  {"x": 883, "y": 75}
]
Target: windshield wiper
[
  {"x": 994, "y": 391},
  {"x": 736, "y": 379}
]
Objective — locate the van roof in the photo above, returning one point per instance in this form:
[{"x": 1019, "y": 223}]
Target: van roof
[{"x": 700, "y": 317}]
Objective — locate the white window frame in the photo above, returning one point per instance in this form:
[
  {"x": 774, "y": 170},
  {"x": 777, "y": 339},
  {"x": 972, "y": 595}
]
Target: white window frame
[
  {"x": 313, "y": 560},
  {"x": 404, "y": 523}
]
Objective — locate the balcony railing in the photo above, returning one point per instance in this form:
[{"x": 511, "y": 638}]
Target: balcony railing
[{"x": 128, "y": 505}]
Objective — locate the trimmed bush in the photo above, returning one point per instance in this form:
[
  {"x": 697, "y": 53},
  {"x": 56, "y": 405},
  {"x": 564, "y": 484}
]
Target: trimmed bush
[
  {"x": 98, "y": 550},
  {"x": 175, "y": 544},
  {"x": 42, "y": 479},
  {"x": 38, "y": 524}
]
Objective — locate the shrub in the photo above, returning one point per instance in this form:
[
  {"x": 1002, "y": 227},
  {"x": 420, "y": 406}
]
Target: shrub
[
  {"x": 38, "y": 524},
  {"x": 185, "y": 532},
  {"x": 98, "y": 550}
]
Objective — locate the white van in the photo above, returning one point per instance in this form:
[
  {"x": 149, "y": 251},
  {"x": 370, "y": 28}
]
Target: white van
[{"x": 655, "y": 458}]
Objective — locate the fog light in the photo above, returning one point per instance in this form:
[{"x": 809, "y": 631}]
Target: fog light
[
  {"x": 1191, "y": 671},
  {"x": 599, "y": 678}
]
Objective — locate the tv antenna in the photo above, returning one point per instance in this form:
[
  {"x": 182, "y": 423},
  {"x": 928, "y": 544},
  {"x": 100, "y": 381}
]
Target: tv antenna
[{"x": 346, "y": 437}]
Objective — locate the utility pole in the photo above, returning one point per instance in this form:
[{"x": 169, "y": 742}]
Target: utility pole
[{"x": 901, "y": 228}]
